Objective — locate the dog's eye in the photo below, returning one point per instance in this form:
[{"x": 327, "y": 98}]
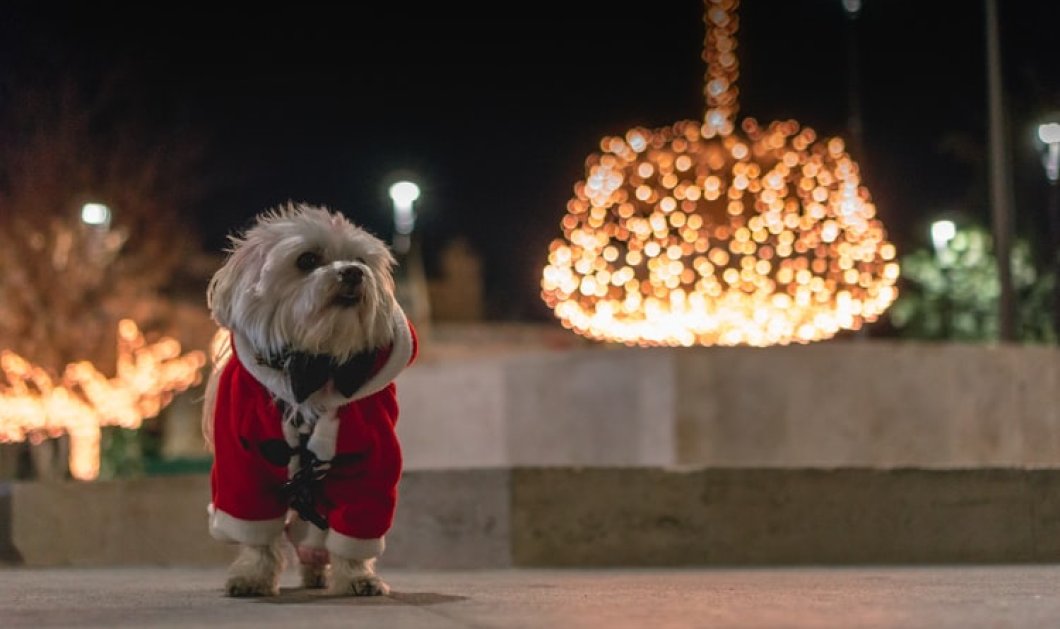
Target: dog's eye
[{"x": 308, "y": 261}]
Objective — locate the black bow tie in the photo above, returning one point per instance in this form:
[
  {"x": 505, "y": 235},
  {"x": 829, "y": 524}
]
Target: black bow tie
[{"x": 307, "y": 372}]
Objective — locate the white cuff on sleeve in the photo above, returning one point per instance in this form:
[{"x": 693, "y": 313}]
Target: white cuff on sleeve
[
  {"x": 228, "y": 528},
  {"x": 354, "y": 548}
]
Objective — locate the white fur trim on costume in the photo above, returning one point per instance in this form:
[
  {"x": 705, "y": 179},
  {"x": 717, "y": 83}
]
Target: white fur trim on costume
[
  {"x": 348, "y": 547},
  {"x": 273, "y": 380},
  {"x": 400, "y": 355},
  {"x": 325, "y": 434},
  {"x": 304, "y": 534},
  {"x": 228, "y": 528}
]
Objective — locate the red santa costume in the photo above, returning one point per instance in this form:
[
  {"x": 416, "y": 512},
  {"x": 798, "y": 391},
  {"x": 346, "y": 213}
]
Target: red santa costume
[{"x": 257, "y": 453}]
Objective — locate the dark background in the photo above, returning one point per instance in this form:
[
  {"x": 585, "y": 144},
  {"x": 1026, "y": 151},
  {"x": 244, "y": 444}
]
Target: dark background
[{"x": 493, "y": 110}]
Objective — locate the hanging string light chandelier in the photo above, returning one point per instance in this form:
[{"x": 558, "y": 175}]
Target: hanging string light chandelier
[{"x": 701, "y": 233}]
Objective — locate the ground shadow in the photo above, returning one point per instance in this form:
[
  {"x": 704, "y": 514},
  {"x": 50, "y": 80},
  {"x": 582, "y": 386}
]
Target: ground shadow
[{"x": 302, "y": 596}]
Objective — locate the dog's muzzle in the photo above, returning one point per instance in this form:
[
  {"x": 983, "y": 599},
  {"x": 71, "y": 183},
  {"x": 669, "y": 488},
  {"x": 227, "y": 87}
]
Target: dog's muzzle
[{"x": 351, "y": 286}]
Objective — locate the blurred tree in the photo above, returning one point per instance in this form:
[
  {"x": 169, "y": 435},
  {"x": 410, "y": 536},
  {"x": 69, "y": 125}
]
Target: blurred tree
[
  {"x": 66, "y": 283},
  {"x": 952, "y": 294}
]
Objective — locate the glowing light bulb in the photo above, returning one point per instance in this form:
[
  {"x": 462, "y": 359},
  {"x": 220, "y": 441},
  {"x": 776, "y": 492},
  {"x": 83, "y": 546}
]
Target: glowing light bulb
[{"x": 95, "y": 214}]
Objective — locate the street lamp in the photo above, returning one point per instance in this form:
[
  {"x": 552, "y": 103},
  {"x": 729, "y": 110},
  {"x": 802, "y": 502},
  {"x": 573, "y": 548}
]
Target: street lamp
[
  {"x": 96, "y": 218},
  {"x": 1049, "y": 134},
  {"x": 403, "y": 194},
  {"x": 942, "y": 232},
  {"x": 410, "y": 277},
  {"x": 95, "y": 215}
]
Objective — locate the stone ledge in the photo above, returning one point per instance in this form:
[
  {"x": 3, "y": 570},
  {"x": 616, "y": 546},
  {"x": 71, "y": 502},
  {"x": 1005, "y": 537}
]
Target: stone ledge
[
  {"x": 588, "y": 517},
  {"x": 868, "y": 404},
  {"x": 618, "y": 517}
]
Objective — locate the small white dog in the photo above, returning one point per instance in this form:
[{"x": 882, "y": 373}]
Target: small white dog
[{"x": 301, "y": 410}]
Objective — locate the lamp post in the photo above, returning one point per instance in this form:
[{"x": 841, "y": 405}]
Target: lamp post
[
  {"x": 942, "y": 232},
  {"x": 96, "y": 215},
  {"x": 404, "y": 194},
  {"x": 410, "y": 278},
  {"x": 1049, "y": 134},
  {"x": 1000, "y": 177},
  {"x": 852, "y": 8},
  {"x": 96, "y": 220}
]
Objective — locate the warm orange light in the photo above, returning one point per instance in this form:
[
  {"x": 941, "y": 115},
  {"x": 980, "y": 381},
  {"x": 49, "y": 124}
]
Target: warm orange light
[
  {"x": 33, "y": 406},
  {"x": 699, "y": 233}
]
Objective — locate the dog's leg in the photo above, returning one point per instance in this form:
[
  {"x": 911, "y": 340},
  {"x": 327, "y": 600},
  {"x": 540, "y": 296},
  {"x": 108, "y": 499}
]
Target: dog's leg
[
  {"x": 256, "y": 570},
  {"x": 314, "y": 567},
  {"x": 308, "y": 542},
  {"x": 356, "y": 577}
]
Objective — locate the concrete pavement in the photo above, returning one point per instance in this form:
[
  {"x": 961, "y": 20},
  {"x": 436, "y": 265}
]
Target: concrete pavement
[{"x": 869, "y": 597}]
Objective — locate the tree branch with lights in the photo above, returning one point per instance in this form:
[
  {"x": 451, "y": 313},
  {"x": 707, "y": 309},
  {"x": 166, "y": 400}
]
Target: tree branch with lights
[{"x": 68, "y": 282}]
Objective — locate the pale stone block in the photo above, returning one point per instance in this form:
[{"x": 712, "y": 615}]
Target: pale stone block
[
  {"x": 1038, "y": 406},
  {"x": 985, "y": 401},
  {"x": 846, "y": 403},
  {"x": 885, "y": 404},
  {"x": 453, "y": 414},
  {"x": 590, "y": 407},
  {"x": 730, "y": 411},
  {"x": 909, "y": 400}
]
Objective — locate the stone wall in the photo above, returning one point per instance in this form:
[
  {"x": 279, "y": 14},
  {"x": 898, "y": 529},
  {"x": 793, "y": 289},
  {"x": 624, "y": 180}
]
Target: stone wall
[
  {"x": 582, "y": 407},
  {"x": 874, "y": 404},
  {"x": 587, "y": 517}
]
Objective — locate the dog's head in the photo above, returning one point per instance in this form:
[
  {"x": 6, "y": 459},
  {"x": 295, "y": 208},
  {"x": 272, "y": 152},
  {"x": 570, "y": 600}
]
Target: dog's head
[{"x": 306, "y": 279}]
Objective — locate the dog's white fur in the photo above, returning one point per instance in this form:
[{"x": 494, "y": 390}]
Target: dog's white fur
[{"x": 269, "y": 304}]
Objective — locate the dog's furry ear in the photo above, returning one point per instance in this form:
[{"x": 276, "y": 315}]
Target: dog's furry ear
[{"x": 225, "y": 284}]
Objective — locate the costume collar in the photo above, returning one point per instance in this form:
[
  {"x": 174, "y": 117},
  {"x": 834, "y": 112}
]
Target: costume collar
[
  {"x": 400, "y": 354},
  {"x": 307, "y": 372}
]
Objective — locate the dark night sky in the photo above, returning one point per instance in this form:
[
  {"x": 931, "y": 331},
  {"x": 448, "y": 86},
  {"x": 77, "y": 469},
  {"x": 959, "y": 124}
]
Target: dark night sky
[{"x": 495, "y": 110}]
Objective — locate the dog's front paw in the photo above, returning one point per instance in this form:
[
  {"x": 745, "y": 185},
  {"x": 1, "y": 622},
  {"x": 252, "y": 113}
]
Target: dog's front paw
[
  {"x": 242, "y": 586},
  {"x": 365, "y": 585},
  {"x": 256, "y": 571}
]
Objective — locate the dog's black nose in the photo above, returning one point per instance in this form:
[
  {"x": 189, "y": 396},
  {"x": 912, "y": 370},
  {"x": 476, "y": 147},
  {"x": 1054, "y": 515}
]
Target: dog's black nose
[{"x": 351, "y": 275}]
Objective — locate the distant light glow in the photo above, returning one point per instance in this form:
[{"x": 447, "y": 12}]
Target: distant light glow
[
  {"x": 942, "y": 232},
  {"x": 95, "y": 214},
  {"x": 403, "y": 194},
  {"x": 702, "y": 233},
  {"x": 1049, "y": 133},
  {"x": 852, "y": 6}
]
